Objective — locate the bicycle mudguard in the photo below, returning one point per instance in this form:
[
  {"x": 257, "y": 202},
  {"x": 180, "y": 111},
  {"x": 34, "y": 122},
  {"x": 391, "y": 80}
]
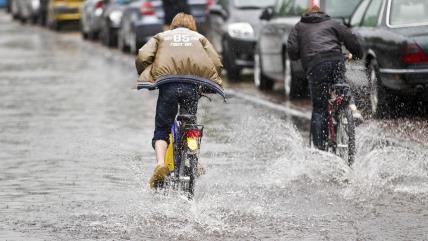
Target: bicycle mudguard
[
  {"x": 208, "y": 85},
  {"x": 169, "y": 156}
]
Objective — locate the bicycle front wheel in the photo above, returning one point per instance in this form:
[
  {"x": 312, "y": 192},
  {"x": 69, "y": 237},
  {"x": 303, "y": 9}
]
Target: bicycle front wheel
[{"x": 345, "y": 135}]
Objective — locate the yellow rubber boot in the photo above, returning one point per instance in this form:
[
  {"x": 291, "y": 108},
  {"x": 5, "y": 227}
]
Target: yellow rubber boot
[{"x": 159, "y": 175}]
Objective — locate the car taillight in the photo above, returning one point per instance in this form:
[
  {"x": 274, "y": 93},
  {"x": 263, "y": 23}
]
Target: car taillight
[
  {"x": 99, "y": 4},
  {"x": 412, "y": 54},
  {"x": 207, "y": 7},
  {"x": 147, "y": 8},
  {"x": 193, "y": 133}
]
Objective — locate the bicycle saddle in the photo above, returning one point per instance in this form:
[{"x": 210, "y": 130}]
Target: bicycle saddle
[{"x": 186, "y": 118}]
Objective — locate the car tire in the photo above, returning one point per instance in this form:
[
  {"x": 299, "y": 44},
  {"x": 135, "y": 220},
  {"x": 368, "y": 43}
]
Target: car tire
[
  {"x": 107, "y": 36},
  {"x": 379, "y": 98},
  {"x": 261, "y": 81},
  {"x": 121, "y": 43},
  {"x": 233, "y": 71}
]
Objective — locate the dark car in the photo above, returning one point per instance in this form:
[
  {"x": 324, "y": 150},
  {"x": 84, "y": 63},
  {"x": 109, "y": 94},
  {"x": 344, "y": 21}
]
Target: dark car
[
  {"x": 110, "y": 21},
  {"x": 233, "y": 28},
  {"x": 145, "y": 18},
  {"x": 91, "y": 13},
  {"x": 395, "y": 39},
  {"x": 271, "y": 59}
]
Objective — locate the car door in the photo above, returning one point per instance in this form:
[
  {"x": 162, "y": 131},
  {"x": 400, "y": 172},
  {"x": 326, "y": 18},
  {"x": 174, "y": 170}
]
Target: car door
[
  {"x": 217, "y": 16},
  {"x": 274, "y": 35}
]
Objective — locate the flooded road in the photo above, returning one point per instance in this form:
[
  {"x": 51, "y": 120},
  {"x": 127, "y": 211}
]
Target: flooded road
[{"x": 75, "y": 156}]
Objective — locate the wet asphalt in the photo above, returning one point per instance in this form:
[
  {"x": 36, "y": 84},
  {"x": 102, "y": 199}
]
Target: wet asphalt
[{"x": 75, "y": 156}]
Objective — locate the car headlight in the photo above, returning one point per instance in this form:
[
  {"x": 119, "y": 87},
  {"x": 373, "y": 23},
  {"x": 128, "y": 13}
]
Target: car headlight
[
  {"x": 241, "y": 30},
  {"x": 35, "y": 4},
  {"x": 115, "y": 17}
]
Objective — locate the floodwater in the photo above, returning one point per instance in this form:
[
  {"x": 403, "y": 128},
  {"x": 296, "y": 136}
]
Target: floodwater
[{"x": 75, "y": 156}]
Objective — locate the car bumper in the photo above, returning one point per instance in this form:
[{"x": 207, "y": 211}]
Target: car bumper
[
  {"x": 66, "y": 13},
  {"x": 242, "y": 50},
  {"x": 406, "y": 81}
]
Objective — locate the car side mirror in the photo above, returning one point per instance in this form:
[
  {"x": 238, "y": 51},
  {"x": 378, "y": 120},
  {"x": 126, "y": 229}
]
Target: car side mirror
[
  {"x": 218, "y": 10},
  {"x": 267, "y": 14},
  {"x": 346, "y": 22}
]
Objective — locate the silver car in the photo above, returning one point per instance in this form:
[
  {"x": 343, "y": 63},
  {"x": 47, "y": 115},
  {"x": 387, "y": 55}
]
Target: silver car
[
  {"x": 90, "y": 18},
  {"x": 271, "y": 60}
]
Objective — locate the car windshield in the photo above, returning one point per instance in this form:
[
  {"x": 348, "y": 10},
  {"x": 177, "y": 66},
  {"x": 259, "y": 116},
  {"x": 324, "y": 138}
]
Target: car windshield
[
  {"x": 256, "y": 4},
  {"x": 408, "y": 12},
  {"x": 340, "y": 8},
  {"x": 290, "y": 7}
]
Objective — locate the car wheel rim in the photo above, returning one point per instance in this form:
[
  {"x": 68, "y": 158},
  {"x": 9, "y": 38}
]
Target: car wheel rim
[
  {"x": 257, "y": 70},
  {"x": 287, "y": 77},
  {"x": 373, "y": 90}
]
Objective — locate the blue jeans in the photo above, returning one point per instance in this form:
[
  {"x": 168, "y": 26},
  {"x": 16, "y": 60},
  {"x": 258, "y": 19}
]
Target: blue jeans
[
  {"x": 321, "y": 78},
  {"x": 171, "y": 97}
]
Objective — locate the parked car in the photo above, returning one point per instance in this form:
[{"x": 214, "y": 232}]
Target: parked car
[
  {"x": 395, "y": 39},
  {"x": 91, "y": 13},
  {"x": 21, "y": 10},
  {"x": 233, "y": 26},
  {"x": 60, "y": 12},
  {"x": 271, "y": 59},
  {"x": 110, "y": 21},
  {"x": 145, "y": 18}
]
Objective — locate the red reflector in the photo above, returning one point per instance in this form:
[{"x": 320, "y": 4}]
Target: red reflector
[
  {"x": 193, "y": 133},
  {"x": 147, "y": 9},
  {"x": 413, "y": 53}
]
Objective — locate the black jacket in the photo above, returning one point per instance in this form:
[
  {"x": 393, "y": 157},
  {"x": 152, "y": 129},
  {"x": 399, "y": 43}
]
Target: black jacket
[
  {"x": 173, "y": 7},
  {"x": 317, "y": 38}
]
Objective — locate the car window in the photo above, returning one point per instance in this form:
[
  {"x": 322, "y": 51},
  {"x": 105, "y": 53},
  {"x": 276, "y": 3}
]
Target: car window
[
  {"x": 408, "y": 12},
  {"x": 372, "y": 15},
  {"x": 340, "y": 8},
  {"x": 253, "y": 3},
  {"x": 290, "y": 7},
  {"x": 357, "y": 17}
]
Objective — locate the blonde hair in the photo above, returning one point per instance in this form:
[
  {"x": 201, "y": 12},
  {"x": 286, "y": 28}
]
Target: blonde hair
[
  {"x": 313, "y": 9},
  {"x": 183, "y": 20}
]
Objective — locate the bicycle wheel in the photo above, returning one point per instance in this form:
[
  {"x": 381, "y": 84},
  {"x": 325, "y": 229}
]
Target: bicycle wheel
[
  {"x": 188, "y": 172},
  {"x": 345, "y": 135}
]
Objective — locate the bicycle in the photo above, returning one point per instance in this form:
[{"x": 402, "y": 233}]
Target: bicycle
[
  {"x": 340, "y": 123},
  {"x": 182, "y": 155}
]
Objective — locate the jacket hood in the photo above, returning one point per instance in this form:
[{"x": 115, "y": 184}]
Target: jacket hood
[{"x": 315, "y": 17}]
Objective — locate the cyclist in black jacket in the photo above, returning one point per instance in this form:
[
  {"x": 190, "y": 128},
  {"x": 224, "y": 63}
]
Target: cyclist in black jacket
[
  {"x": 172, "y": 8},
  {"x": 317, "y": 41}
]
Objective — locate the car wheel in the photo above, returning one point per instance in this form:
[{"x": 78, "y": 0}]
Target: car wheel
[
  {"x": 133, "y": 48},
  {"x": 379, "y": 97},
  {"x": 233, "y": 71},
  {"x": 121, "y": 43},
  {"x": 287, "y": 77},
  {"x": 83, "y": 32},
  {"x": 261, "y": 81}
]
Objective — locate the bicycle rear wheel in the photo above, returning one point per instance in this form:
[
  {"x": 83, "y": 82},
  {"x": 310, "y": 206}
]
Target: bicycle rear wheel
[
  {"x": 188, "y": 172},
  {"x": 345, "y": 135}
]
